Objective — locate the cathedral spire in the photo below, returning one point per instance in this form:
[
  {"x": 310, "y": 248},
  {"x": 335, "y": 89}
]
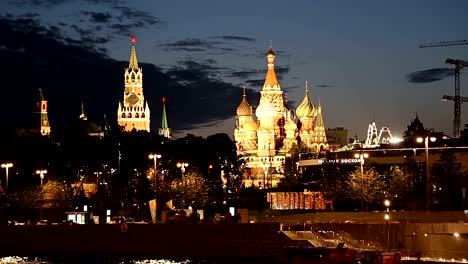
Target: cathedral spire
[
  {"x": 133, "y": 63},
  {"x": 271, "y": 81},
  {"x": 164, "y": 131}
]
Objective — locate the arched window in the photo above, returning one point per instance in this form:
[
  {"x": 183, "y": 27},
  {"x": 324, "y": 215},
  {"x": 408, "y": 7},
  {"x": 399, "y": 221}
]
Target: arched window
[
  {"x": 137, "y": 115},
  {"x": 129, "y": 115},
  {"x": 143, "y": 115},
  {"x": 123, "y": 115}
]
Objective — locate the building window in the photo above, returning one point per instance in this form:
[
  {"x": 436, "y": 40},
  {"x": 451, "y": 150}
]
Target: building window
[{"x": 123, "y": 115}]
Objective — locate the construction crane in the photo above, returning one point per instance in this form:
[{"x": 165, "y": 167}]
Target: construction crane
[
  {"x": 445, "y": 44},
  {"x": 457, "y": 99}
]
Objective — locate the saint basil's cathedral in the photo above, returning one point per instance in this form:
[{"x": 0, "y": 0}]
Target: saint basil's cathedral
[{"x": 266, "y": 139}]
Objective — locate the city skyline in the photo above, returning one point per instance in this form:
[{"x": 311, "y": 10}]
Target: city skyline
[{"x": 362, "y": 59}]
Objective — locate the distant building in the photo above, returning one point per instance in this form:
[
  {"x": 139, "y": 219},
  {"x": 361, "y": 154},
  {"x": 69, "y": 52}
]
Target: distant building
[
  {"x": 134, "y": 112},
  {"x": 337, "y": 137}
]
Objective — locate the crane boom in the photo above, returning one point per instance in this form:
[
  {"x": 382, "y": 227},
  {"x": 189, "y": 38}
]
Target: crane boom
[{"x": 445, "y": 43}]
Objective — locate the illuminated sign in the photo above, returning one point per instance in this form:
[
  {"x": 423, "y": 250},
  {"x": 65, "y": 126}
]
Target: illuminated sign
[{"x": 338, "y": 161}]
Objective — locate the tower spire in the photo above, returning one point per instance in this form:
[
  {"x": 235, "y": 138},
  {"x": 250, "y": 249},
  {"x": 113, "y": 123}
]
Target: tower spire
[
  {"x": 82, "y": 115},
  {"x": 41, "y": 116},
  {"x": 271, "y": 81},
  {"x": 133, "y": 63},
  {"x": 164, "y": 131}
]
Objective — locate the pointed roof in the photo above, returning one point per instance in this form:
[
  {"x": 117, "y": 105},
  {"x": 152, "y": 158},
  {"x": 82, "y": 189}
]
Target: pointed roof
[
  {"x": 271, "y": 81},
  {"x": 41, "y": 96},
  {"x": 133, "y": 62},
  {"x": 83, "y": 116},
  {"x": 306, "y": 108},
  {"x": 164, "y": 117},
  {"x": 319, "y": 119},
  {"x": 244, "y": 108}
]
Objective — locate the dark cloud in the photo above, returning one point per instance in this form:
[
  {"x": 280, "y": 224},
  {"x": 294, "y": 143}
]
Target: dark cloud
[
  {"x": 236, "y": 38},
  {"x": 38, "y": 3},
  {"x": 430, "y": 75},
  {"x": 324, "y": 86},
  {"x": 198, "y": 45},
  {"x": 255, "y": 83},
  {"x": 191, "y": 44},
  {"x": 249, "y": 73},
  {"x": 98, "y": 17},
  {"x": 245, "y": 74},
  {"x": 136, "y": 15},
  {"x": 69, "y": 72}
]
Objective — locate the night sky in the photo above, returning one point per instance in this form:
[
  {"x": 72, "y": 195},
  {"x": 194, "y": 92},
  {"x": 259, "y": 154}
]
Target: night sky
[{"x": 361, "y": 58}]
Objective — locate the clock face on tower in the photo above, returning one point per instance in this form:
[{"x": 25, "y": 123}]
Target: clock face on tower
[{"x": 132, "y": 99}]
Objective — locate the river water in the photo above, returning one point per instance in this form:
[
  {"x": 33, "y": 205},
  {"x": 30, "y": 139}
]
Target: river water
[{"x": 110, "y": 260}]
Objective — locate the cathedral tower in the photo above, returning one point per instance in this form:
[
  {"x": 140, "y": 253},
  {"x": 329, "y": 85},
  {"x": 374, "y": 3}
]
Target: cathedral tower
[
  {"x": 40, "y": 116},
  {"x": 164, "y": 130},
  {"x": 134, "y": 113}
]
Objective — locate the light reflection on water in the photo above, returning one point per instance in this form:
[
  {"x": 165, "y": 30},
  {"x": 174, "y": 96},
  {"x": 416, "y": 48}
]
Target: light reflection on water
[{"x": 26, "y": 260}]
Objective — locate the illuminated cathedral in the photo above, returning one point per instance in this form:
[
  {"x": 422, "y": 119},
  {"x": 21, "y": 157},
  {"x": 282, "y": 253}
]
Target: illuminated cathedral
[{"x": 264, "y": 137}]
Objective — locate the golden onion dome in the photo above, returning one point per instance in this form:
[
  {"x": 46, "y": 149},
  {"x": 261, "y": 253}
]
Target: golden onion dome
[
  {"x": 265, "y": 109},
  {"x": 244, "y": 109},
  {"x": 306, "y": 108},
  {"x": 290, "y": 125},
  {"x": 270, "y": 53}
]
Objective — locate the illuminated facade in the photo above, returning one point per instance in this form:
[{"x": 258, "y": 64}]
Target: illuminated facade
[
  {"x": 264, "y": 140},
  {"x": 375, "y": 139},
  {"x": 41, "y": 117},
  {"x": 134, "y": 112}
]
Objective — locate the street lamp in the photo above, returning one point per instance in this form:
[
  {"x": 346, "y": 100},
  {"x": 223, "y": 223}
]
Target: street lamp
[
  {"x": 387, "y": 204},
  {"x": 6, "y": 166},
  {"x": 41, "y": 174},
  {"x": 182, "y": 166},
  {"x": 428, "y": 177},
  {"x": 155, "y": 158},
  {"x": 387, "y": 217},
  {"x": 361, "y": 158}
]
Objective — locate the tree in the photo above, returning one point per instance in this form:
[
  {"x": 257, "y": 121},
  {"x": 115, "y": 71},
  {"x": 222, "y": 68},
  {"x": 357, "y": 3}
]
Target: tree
[
  {"x": 400, "y": 187},
  {"x": 448, "y": 178},
  {"x": 368, "y": 187}
]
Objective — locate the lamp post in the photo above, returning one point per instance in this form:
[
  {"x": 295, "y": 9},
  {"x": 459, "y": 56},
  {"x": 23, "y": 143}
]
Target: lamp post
[
  {"x": 428, "y": 177},
  {"x": 182, "y": 166},
  {"x": 6, "y": 166},
  {"x": 387, "y": 217},
  {"x": 41, "y": 174},
  {"x": 155, "y": 158},
  {"x": 361, "y": 158}
]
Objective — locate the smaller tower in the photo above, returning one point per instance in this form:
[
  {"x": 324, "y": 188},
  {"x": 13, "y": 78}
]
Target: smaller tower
[
  {"x": 41, "y": 117},
  {"x": 164, "y": 131}
]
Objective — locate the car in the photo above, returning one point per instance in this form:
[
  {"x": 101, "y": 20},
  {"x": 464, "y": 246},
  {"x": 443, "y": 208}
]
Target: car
[{"x": 117, "y": 220}]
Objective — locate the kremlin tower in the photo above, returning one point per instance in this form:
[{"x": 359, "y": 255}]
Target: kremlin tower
[
  {"x": 266, "y": 139},
  {"x": 41, "y": 117},
  {"x": 164, "y": 130},
  {"x": 134, "y": 113}
]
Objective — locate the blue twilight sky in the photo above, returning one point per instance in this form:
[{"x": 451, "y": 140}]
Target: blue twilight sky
[{"x": 357, "y": 55}]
